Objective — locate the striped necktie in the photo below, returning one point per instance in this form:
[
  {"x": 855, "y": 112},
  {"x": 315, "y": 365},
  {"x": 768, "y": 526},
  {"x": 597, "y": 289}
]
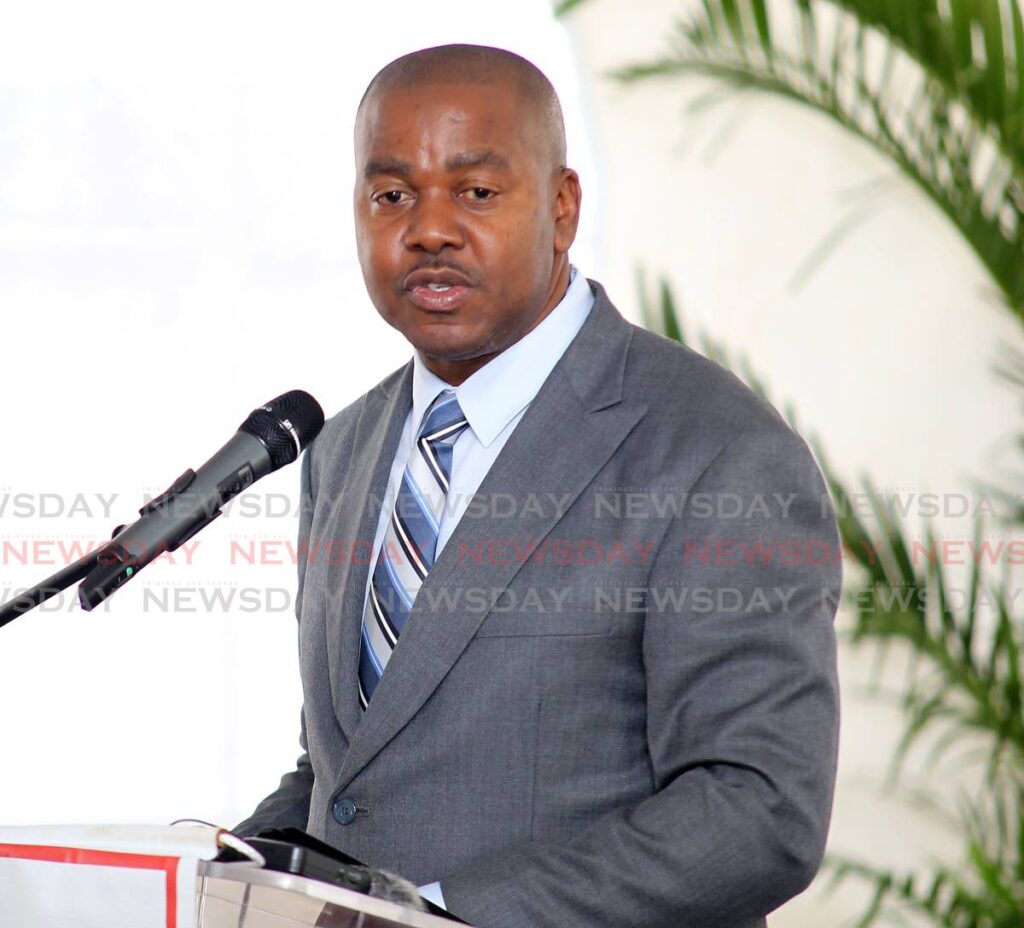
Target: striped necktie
[{"x": 410, "y": 542}]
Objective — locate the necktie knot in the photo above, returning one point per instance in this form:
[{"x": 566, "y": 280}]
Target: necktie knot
[{"x": 443, "y": 420}]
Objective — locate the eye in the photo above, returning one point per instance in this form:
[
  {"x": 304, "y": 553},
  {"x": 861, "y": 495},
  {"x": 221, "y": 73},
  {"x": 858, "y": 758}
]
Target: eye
[
  {"x": 480, "y": 193},
  {"x": 389, "y": 197}
]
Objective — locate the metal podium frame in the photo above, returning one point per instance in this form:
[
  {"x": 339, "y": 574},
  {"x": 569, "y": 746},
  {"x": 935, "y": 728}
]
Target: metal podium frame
[{"x": 242, "y": 895}]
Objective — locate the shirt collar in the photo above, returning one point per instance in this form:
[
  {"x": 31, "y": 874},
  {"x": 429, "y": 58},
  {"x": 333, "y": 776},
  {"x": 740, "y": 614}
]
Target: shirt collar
[{"x": 506, "y": 384}]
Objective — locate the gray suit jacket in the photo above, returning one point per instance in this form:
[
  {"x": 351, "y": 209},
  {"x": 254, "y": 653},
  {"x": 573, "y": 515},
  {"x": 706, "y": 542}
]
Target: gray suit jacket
[{"x": 615, "y": 700}]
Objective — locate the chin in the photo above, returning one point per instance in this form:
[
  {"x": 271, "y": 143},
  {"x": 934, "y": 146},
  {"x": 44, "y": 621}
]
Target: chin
[
  {"x": 448, "y": 353},
  {"x": 446, "y": 341},
  {"x": 444, "y": 349}
]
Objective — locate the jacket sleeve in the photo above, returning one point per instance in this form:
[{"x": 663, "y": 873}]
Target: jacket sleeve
[
  {"x": 288, "y": 805},
  {"x": 742, "y": 721}
]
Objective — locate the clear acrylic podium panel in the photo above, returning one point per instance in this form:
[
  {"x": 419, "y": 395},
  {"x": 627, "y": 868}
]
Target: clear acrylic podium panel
[{"x": 243, "y": 896}]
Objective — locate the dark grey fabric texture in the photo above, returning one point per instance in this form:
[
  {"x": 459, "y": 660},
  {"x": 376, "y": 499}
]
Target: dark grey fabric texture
[{"x": 615, "y": 700}]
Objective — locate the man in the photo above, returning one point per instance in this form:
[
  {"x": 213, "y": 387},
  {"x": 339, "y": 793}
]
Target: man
[{"x": 584, "y": 673}]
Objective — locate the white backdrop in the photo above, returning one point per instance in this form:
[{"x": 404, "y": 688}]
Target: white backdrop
[{"x": 176, "y": 247}]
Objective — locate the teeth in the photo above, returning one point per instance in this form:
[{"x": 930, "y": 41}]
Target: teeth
[{"x": 439, "y": 288}]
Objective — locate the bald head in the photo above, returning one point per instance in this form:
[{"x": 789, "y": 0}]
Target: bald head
[{"x": 476, "y": 65}]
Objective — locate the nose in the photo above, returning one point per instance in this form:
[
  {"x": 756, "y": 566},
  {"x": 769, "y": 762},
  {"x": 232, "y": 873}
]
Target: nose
[{"x": 433, "y": 224}]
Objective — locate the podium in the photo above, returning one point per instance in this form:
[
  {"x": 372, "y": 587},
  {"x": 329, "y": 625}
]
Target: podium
[
  {"x": 237, "y": 895},
  {"x": 110, "y": 876}
]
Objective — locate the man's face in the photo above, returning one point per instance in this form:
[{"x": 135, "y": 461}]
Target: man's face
[{"x": 463, "y": 221}]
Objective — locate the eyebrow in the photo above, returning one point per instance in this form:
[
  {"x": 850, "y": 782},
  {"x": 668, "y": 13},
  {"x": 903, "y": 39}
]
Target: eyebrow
[
  {"x": 464, "y": 159},
  {"x": 475, "y": 159},
  {"x": 386, "y": 166}
]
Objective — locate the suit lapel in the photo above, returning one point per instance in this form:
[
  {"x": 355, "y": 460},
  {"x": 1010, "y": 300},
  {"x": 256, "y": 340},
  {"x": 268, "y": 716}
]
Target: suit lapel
[
  {"x": 358, "y": 504},
  {"x": 572, "y": 428}
]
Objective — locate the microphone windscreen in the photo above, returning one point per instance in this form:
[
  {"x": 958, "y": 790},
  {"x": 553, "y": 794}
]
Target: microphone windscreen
[
  {"x": 393, "y": 888},
  {"x": 285, "y": 425}
]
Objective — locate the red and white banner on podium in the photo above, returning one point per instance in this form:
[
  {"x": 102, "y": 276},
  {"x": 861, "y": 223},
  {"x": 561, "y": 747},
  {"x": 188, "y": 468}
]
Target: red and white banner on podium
[{"x": 101, "y": 876}]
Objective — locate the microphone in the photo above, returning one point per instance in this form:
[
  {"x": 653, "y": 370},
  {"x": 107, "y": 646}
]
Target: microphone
[{"x": 273, "y": 435}]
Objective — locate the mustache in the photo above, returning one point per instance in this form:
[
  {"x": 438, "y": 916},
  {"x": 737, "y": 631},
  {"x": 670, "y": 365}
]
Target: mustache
[{"x": 438, "y": 264}]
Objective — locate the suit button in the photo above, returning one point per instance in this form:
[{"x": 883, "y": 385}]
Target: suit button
[{"x": 344, "y": 810}]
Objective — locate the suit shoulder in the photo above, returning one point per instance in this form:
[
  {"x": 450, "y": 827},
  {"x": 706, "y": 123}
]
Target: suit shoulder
[
  {"x": 680, "y": 383},
  {"x": 699, "y": 413}
]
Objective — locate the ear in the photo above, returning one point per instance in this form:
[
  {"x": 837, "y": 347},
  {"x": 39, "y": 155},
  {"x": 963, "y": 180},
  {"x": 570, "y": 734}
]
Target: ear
[{"x": 568, "y": 195}]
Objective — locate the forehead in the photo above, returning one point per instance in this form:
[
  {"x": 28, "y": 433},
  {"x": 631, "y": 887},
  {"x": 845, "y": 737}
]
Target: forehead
[{"x": 435, "y": 120}]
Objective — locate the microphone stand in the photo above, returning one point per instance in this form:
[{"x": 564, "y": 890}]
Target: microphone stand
[
  {"x": 109, "y": 566},
  {"x": 273, "y": 435},
  {"x": 102, "y": 571},
  {"x": 112, "y": 564},
  {"x": 51, "y": 586}
]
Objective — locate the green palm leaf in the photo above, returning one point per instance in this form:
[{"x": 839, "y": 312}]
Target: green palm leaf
[{"x": 956, "y": 128}]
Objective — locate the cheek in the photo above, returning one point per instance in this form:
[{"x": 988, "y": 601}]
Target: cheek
[
  {"x": 517, "y": 243},
  {"x": 528, "y": 246},
  {"x": 364, "y": 242},
  {"x": 377, "y": 248}
]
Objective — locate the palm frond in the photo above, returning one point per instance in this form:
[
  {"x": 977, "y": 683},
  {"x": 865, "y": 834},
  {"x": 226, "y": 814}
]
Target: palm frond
[
  {"x": 954, "y": 125},
  {"x": 987, "y": 896},
  {"x": 563, "y": 7}
]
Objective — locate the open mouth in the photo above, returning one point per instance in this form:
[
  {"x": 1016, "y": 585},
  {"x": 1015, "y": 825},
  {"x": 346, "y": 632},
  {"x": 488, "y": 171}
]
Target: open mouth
[
  {"x": 437, "y": 289},
  {"x": 438, "y": 297}
]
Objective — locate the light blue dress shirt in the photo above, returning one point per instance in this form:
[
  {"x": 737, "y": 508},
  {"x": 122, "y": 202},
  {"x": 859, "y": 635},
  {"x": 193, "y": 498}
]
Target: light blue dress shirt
[{"x": 494, "y": 400}]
